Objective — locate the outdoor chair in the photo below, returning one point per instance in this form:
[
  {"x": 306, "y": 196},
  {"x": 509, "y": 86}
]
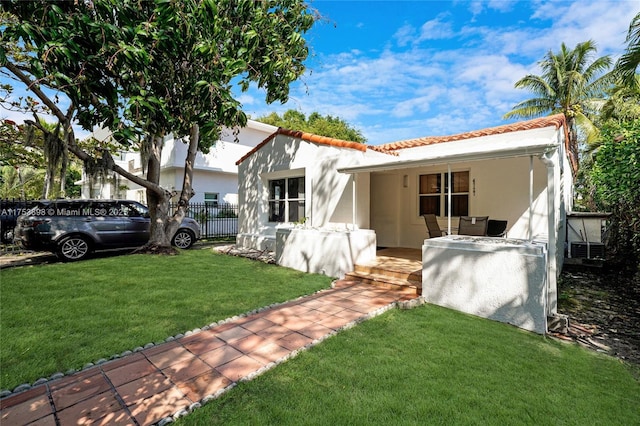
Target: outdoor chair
[
  {"x": 473, "y": 225},
  {"x": 496, "y": 228},
  {"x": 432, "y": 226}
]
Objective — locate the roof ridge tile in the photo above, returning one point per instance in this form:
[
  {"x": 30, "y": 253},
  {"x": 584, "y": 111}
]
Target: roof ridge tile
[{"x": 557, "y": 120}]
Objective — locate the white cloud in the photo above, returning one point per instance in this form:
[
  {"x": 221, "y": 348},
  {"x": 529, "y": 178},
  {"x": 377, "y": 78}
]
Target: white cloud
[{"x": 432, "y": 81}]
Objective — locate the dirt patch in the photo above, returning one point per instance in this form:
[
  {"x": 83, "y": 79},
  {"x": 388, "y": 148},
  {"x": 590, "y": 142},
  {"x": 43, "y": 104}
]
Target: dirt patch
[{"x": 603, "y": 306}]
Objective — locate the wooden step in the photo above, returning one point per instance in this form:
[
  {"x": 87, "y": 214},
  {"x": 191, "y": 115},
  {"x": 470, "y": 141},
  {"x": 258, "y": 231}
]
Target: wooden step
[
  {"x": 401, "y": 274},
  {"x": 386, "y": 281}
]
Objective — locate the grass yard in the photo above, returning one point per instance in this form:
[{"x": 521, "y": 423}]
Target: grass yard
[
  {"x": 431, "y": 365},
  {"x": 61, "y": 316}
]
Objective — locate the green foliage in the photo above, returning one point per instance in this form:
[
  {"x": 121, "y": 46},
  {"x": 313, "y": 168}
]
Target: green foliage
[
  {"x": 158, "y": 66},
  {"x": 571, "y": 83},
  {"x": 623, "y": 103},
  {"x": 614, "y": 185},
  {"x": 328, "y": 125},
  {"x": 627, "y": 64},
  {"x": 73, "y": 175},
  {"x": 17, "y": 147},
  {"x": 21, "y": 182},
  {"x": 226, "y": 213}
]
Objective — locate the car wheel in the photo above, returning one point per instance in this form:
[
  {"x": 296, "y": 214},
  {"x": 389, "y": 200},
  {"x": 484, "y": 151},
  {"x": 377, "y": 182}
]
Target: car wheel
[
  {"x": 73, "y": 248},
  {"x": 183, "y": 239},
  {"x": 7, "y": 236}
]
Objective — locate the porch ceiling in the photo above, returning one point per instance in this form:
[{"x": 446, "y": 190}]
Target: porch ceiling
[{"x": 455, "y": 153}]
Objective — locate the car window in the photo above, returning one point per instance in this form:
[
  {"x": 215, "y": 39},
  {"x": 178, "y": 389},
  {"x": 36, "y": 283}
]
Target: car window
[{"x": 133, "y": 209}]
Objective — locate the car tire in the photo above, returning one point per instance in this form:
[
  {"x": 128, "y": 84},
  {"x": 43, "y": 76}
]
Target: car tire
[
  {"x": 7, "y": 236},
  {"x": 183, "y": 239},
  {"x": 73, "y": 248}
]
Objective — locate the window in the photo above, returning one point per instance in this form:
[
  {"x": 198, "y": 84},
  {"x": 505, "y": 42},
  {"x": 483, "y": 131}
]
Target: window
[
  {"x": 286, "y": 200},
  {"x": 211, "y": 199},
  {"x": 434, "y": 195}
]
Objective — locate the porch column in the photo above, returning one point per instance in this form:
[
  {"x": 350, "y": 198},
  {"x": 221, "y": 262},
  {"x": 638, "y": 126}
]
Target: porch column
[
  {"x": 353, "y": 202},
  {"x": 549, "y": 159},
  {"x": 449, "y": 199},
  {"x": 530, "y": 227}
]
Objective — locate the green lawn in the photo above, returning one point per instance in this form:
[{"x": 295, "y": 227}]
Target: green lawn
[
  {"x": 428, "y": 365},
  {"x": 61, "y": 316},
  {"x": 431, "y": 366}
]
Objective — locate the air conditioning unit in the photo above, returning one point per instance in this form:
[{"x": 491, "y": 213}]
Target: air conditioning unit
[{"x": 587, "y": 250}]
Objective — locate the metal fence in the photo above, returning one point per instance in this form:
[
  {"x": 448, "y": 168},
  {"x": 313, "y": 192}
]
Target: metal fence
[{"x": 216, "y": 220}]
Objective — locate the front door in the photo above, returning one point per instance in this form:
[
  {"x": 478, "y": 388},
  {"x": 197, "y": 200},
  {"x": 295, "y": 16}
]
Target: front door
[{"x": 385, "y": 208}]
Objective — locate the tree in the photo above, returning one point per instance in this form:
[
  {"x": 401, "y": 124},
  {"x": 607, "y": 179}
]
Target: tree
[
  {"x": 147, "y": 69},
  {"x": 623, "y": 103},
  {"x": 571, "y": 83},
  {"x": 328, "y": 125},
  {"x": 613, "y": 183},
  {"x": 626, "y": 67}
]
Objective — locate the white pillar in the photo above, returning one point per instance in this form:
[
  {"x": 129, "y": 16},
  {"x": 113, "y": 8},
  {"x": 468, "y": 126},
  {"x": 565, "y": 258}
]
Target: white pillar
[{"x": 449, "y": 199}]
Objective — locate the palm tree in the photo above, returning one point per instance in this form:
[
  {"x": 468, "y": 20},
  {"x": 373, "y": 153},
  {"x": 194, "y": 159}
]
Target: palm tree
[
  {"x": 571, "y": 84},
  {"x": 623, "y": 103},
  {"x": 628, "y": 62}
]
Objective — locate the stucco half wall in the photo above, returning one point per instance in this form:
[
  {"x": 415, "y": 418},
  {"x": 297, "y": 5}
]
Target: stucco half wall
[
  {"x": 332, "y": 253},
  {"x": 494, "y": 278}
]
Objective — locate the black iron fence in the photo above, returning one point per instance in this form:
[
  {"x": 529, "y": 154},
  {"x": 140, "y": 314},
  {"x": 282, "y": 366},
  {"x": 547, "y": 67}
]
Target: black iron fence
[{"x": 216, "y": 220}]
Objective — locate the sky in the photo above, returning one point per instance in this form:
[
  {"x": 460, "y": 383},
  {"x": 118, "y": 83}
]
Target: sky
[{"x": 398, "y": 70}]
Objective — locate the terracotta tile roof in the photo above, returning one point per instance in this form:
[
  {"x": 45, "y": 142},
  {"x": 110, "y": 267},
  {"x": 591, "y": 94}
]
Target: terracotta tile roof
[
  {"x": 309, "y": 137},
  {"x": 380, "y": 148},
  {"x": 557, "y": 120}
]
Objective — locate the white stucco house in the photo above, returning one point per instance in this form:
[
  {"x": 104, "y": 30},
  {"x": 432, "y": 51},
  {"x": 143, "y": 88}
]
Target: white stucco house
[
  {"x": 324, "y": 205},
  {"x": 215, "y": 177}
]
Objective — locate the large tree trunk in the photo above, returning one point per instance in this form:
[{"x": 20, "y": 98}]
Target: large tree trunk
[
  {"x": 164, "y": 224},
  {"x": 573, "y": 147},
  {"x": 158, "y": 200}
]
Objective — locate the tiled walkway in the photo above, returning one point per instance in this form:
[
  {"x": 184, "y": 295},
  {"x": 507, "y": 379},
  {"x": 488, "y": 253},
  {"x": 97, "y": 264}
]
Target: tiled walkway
[{"x": 173, "y": 378}]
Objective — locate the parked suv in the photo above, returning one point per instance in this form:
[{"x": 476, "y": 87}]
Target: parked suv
[{"x": 74, "y": 228}]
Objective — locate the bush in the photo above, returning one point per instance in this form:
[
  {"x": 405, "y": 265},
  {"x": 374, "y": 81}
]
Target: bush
[{"x": 614, "y": 179}]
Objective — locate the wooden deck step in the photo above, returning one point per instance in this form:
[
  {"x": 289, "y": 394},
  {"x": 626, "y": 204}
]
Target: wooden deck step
[
  {"x": 386, "y": 280},
  {"x": 399, "y": 273}
]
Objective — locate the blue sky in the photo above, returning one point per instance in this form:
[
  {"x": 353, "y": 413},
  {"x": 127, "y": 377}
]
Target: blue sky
[{"x": 403, "y": 69}]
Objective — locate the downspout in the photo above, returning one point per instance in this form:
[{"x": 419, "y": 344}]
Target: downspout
[{"x": 552, "y": 285}]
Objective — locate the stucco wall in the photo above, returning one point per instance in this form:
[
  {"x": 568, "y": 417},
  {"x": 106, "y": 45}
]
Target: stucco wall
[
  {"x": 331, "y": 253},
  {"x": 329, "y": 196},
  {"x": 502, "y": 280},
  {"x": 501, "y": 192}
]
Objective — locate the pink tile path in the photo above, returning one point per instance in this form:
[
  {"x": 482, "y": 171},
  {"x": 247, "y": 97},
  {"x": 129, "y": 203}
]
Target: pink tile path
[{"x": 173, "y": 378}]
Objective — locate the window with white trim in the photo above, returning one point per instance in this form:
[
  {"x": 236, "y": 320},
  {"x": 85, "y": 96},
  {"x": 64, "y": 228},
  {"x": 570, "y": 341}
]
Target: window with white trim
[
  {"x": 286, "y": 199},
  {"x": 211, "y": 199},
  {"x": 433, "y": 194}
]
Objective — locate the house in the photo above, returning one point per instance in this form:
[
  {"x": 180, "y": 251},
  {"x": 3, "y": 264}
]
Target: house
[
  {"x": 215, "y": 177},
  {"x": 324, "y": 205}
]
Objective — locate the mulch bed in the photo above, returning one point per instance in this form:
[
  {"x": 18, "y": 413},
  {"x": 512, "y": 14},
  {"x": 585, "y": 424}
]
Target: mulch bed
[{"x": 603, "y": 306}]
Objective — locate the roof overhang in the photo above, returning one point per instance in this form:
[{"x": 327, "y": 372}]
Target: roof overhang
[{"x": 452, "y": 154}]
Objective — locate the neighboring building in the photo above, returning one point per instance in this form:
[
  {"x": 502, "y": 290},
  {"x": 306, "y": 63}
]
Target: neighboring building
[
  {"x": 324, "y": 205},
  {"x": 215, "y": 174}
]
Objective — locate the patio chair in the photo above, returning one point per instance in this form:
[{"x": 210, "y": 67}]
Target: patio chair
[
  {"x": 432, "y": 226},
  {"x": 473, "y": 225},
  {"x": 496, "y": 228}
]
